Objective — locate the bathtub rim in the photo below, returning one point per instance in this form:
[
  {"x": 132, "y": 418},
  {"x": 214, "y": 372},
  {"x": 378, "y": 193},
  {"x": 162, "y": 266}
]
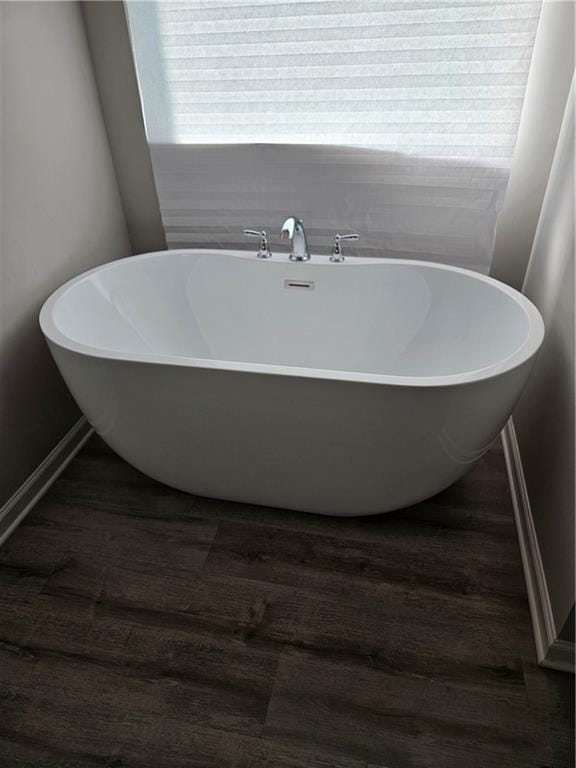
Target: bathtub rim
[{"x": 520, "y": 356}]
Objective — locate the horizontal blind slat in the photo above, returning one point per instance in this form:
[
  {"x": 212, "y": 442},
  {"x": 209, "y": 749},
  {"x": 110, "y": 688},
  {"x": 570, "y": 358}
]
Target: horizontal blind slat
[
  {"x": 335, "y": 67},
  {"x": 254, "y": 55},
  {"x": 491, "y": 32},
  {"x": 291, "y": 16},
  {"x": 366, "y": 28}
]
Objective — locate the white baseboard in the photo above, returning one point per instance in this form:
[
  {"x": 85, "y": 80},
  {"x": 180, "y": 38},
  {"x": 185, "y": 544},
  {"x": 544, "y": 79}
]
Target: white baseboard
[
  {"x": 550, "y": 651},
  {"x": 18, "y": 505}
]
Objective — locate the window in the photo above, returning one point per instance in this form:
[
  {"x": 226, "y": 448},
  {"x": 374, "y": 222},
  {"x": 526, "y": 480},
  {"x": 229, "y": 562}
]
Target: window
[{"x": 393, "y": 118}]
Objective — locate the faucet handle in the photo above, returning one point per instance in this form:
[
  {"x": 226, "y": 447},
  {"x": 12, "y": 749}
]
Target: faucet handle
[
  {"x": 263, "y": 251},
  {"x": 337, "y": 256}
]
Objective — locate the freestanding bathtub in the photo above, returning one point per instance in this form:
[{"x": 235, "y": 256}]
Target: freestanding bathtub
[{"x": 342, "y": 389}]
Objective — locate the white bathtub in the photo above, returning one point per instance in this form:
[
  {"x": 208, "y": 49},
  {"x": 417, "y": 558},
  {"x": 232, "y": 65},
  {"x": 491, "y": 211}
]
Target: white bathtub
[{"x": 341, "y": 389}]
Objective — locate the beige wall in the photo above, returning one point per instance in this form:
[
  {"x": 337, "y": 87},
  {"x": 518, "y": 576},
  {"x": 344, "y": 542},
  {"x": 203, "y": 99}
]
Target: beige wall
[
  {"x": 546, "y": 93},
  {"x": 60, "y": 214},
  {"x": 544, "y": 419},
  {"x": 109, "y": 42}
]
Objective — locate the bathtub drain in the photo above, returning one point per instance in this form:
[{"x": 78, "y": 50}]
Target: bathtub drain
[{"x": 306, "y": 284}]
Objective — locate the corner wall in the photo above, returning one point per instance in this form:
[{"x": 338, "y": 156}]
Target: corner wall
[
  {"x": 60, "y": 214},
  {"x": 544, "y": 102},
  {"x": 115, "y": 73},
  {"x": 544, "y": 417}
]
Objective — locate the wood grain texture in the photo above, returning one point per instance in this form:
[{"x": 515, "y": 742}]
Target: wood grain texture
[{"x": 145, "y": 628}]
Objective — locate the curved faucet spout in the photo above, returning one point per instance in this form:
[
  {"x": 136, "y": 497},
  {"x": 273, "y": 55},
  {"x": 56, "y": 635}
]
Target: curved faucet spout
[
  {"x": 288, "y": 228},
  {"x": 293, "y": 228}
]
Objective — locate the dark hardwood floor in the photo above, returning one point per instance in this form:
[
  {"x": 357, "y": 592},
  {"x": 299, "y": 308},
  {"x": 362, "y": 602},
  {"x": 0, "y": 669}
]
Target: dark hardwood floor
[{"x": 142, "y": 627}]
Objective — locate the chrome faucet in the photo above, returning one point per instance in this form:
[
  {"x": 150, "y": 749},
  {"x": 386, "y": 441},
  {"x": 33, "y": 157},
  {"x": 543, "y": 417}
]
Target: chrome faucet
[{"x": 294, "y": 229}]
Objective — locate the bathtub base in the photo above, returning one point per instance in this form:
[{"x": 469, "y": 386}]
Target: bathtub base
[
  {"x": 321, "y": 446},
  {"x": 311, "y": 506}
]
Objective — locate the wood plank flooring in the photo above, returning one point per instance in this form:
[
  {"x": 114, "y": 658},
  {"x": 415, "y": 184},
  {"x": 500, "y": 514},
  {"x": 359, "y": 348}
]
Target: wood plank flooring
[{"x": 145, "y": 628}]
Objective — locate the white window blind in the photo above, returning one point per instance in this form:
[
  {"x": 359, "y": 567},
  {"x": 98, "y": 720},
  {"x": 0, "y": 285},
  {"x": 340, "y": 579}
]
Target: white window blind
[{"x": 396, "y": 119}]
